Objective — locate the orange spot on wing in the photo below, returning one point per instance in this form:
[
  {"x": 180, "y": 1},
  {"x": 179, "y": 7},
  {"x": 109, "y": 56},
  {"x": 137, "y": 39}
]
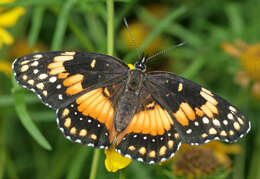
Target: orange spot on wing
[
  {"x": 56, "y": 71},
  {"x": 73, "y": 130},
  {"x": 212, "y": 107},
  {"x": 152, "y": 154},
  {"x": 55, "y": 65},
  {"x": 73, "y": 79},
  {"x": 63, "y": 58},
  {"x": 188, "y": 111},
  {"x": 208, "y": 98},
  {"x": 181, "y": 118},
  {"x": 63, "y": 75},
  {"x": 74, "y": 89},
  {"x": 65, "y": 112},
  {"x": 199, "y": 112},
  {"x": 207, "y": 111}
]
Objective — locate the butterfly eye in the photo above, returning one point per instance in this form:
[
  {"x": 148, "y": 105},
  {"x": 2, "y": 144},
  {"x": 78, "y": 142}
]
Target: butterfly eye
[{"x": 140, "y": 66}]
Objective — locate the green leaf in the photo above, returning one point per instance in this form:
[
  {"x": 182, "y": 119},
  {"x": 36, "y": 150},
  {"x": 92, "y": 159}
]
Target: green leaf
[{"x": 30, "y": 2}]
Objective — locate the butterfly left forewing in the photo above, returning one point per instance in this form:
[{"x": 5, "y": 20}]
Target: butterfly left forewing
[
  {"x": 59, "y": 77},
  {"x": 199, "y": 114}
]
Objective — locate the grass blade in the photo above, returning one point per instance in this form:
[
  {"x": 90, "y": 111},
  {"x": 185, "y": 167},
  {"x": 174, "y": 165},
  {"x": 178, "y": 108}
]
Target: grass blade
[
  {"x": 36, "y": 24},
  {"x": 61, "y": 25}
]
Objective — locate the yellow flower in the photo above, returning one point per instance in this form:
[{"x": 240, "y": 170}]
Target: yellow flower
[
  {"x": 115, "y": 161},
  {"x": 22, "y": 45},
  {"x": 131, "y": 66},
  {"x": 5, "y": 67},
  {"x": 24, "y": 48},
  {"x": 249, "y": 56},
  {"x": 196, "y": 161},
  {"x": 141, "y": 31},
  {"x": 8, "y": 18}
]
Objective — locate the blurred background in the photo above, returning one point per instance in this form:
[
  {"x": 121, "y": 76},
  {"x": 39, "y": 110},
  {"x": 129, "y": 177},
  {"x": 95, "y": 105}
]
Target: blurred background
[{"x": 222, "y": 53}]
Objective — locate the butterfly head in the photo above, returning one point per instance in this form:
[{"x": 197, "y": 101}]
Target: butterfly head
[{"x": 140, "y": 65}]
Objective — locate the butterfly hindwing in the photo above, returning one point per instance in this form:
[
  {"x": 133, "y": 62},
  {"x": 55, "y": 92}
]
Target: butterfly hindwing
[
  {"x": 59, "y": 77},
  {"x": 89, "y": 120},
  {"x": 199, "y": 114},
  {"x": 151, "y": 136}
]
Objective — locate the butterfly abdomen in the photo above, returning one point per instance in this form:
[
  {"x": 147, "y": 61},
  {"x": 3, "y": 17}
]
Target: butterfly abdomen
[{"x": 128, "y": 102}]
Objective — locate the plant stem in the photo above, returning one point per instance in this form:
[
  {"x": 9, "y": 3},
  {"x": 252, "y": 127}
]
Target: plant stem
[
  {"x": 110, "y": 50},
  {"x": 110, "y": 27},
  {"x": 93, "y": 171}
]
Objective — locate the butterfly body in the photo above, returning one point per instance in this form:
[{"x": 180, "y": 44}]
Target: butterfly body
[
  {"x": 100, "y": 101},
  {"x": 129, "y": 101}
]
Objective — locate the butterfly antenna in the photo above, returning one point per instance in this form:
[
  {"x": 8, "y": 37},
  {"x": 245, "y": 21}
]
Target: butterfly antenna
[
  {"x": 132, "y": 37},
  {"x": 166, "y": 50}
]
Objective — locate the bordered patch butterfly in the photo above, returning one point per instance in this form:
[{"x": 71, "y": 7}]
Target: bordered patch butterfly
[{"x": 100, "y": 101}]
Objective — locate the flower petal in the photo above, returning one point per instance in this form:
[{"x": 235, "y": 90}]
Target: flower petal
[
  {"x": 6, "y": 37},
  {"x": 131, "y": 66},
  {"x": 114, "y": 161},
  {"x": 5, "y": 67},
  {"x": 10, "y": 17}
]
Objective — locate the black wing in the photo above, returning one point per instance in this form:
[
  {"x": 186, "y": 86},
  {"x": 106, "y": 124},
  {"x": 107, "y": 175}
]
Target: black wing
[
  {"x": 83, "y": 87},
  {"x": 59, "y": 77},
  {"x": 199, "y": 115}
]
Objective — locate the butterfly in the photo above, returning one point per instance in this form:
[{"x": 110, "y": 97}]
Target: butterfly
[{"x": 100, "y": 101}]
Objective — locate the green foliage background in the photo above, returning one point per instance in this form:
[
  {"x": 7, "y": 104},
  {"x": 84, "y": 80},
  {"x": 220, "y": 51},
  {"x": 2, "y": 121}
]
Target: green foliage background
[{"x": 31, "y": 146}]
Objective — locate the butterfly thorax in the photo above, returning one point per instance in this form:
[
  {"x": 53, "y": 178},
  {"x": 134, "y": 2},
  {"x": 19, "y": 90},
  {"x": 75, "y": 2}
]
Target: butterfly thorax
[{"x": 128, "y": 102}]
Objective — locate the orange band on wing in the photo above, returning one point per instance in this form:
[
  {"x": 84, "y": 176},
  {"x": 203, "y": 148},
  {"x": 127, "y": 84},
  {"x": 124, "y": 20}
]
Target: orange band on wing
[
  {"x": 94, "y": 104},
  {"x": 154, "y": 122},
  {"x": 212, "y": 107},
  {"x": 56, "y": 71},
  {"x": 55, "y": 65},
  {"x": 63, "y": 75},
  {"x": 74, "y": 89},
  {"x": 73, "y": 79},
  {"x": 188, "y": 111},
  {"x": 181, "y": 117},
  {"x": 207, "y": 111}
]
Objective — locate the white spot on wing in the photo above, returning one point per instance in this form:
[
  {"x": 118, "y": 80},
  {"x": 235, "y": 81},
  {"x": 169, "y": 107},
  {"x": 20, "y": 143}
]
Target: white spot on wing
[
  {"x": 52, "y": 79},
  {"x": 188, "y": 131},
  {"x": 60, "y": 97},
  {"x": 35, "y": 63},
  {"x": 42, "y": 76},
  {"x": 230, "y": 116},
  {"x": 35, "y": 71},
  {"x": 205, "y": 120}
]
